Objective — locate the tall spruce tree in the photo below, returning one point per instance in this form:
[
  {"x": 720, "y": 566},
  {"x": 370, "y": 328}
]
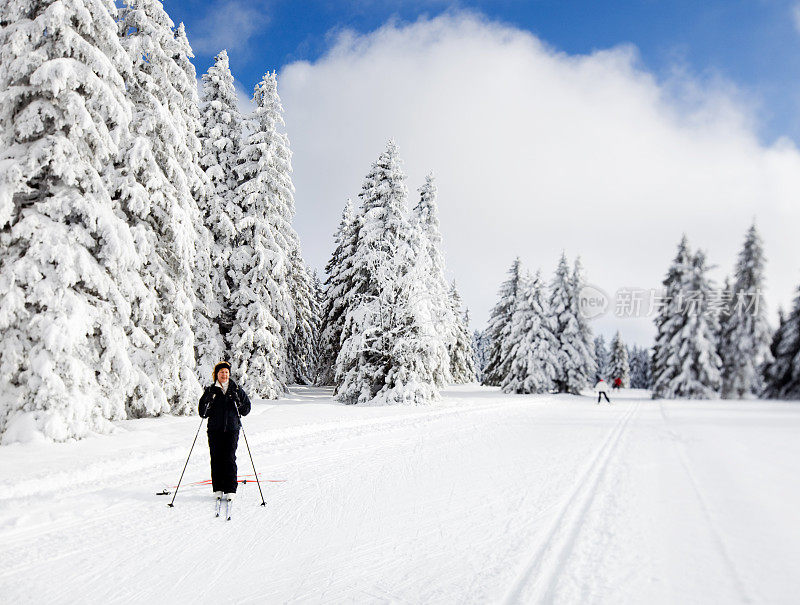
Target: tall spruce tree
[
  {"x": 585, "y": 344},
  {"x": 297, "y": 318},
  {"x": 68, "y": 259},
  {"x": 446, "y": 320},
  {"x": 303, "y": 341},
  {"x": 256, "y": 266},
  {"x": 479, "y": 353},
  {"x": 159, "y": 163},
  {"x": 462, "y": 364},
  {"x": 601, "y": 357},
  {"x": 768, "y": 366},
  {"x": 575, "y": 366},
  {"x": 531, "y": 345},
  {"x": 221, "y": 140},
  {"x": 340, "y": 292},
  {"x": 209, "y": 344},
  {"x": 500, "y": 321},
  {"x": 420, "y": 361},
  {"x": 619, "y": 366},
  {"x": 745, "y": 334},
  {"x": 669, "y": 321},
  {"x": 694, "y": 362},
  {"x": 314, "y": 361},
  {"x": 782, "y": 374},
  {"x": 389, "y": 342}
]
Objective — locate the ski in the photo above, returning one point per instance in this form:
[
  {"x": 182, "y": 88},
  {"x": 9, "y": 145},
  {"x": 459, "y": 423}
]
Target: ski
[
  {"x": 228, "y": 507},
  {"x": 240, "y": 478},
  {"x": 167, "y": 490},
  {"x": 218, "y": 505}
]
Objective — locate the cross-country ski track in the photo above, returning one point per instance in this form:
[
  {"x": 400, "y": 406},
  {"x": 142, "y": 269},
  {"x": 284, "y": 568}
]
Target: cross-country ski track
[{"x": 483, "y": 498}]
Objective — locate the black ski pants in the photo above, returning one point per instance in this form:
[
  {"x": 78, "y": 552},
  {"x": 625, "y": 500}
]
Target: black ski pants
[
  {"x": 222, "y": 447},
  {"x": 602, "y": 394}
]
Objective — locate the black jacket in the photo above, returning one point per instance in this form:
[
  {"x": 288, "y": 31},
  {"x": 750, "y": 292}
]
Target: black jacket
[{"x": 220, "y": 408}]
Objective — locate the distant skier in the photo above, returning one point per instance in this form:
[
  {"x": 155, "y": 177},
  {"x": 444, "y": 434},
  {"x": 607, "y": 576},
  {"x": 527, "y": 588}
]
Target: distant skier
[
  {"x": 601, "y": 388},
  {"x": 617, "y": 383},
  {"x": 219, "y": 404}
]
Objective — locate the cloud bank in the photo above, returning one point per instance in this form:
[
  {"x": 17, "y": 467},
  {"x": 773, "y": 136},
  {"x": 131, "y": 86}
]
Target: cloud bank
[{"x": 537, "y": 151}]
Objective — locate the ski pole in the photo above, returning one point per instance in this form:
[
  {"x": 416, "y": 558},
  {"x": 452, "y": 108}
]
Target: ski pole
[
  {"x": 255, "y": 472},
  {"x": 187, "y": 462}
]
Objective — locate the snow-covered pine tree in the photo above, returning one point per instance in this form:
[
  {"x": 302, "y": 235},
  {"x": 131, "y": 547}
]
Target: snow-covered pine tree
[
  {"x": 619, "y": 366},
  {"x": 637, "y": 366},
  {"x": 462, "y": 368},
  {"x": 647, "y": 368},
  {"x": 601, "y": 357},
  {"x": 389, "y": 343},
  {"x": 479, "y": 353},
  {"x": 584, "y": 344},
  {"x": 158, "y": 162},
  {"x": 575, "y": 367},
  {"x": 257, "y": 265},
  {"x": 669, "y": 321},
  {"x": 694, "y": 357},
  {"x": 67, "y": 257},
  {"x": 296, "y": 317},
  {"x": 221, "y": 139},
  {"x": 446, "y": 320},
  {"x": 316, "y": 332},
  {"x": 768, "y": 369},
  {"x": 303, "y": 343},
  {"x": 532, "y": 345},
  {"x": 782, "y": 374},
  {"x": 497, "y": 367},
  {"x": 642, "y": 378},
  {"x": 745, "y": 334},
  {"x": 340, "y": 291},
  {"x": 209, "y": 345},
  {"x": 724, "y": 306},
  {"x": 419, "y": 359},
  {"x": 365, "y": 347}
]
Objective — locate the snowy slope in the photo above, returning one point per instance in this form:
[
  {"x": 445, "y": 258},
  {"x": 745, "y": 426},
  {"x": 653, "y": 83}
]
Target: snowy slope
[{"x": 484, "y": 498}]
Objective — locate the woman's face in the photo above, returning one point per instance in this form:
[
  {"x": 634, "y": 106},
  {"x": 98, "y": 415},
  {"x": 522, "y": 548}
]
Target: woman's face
[{"x": 223, "y": 374}]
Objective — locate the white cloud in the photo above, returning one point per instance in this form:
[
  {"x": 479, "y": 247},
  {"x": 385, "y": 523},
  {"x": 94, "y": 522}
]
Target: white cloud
[
  {"x": 538, "y": 151},
  {"x": 796, "y": 16},
  {"x": 228, "y": 24}
]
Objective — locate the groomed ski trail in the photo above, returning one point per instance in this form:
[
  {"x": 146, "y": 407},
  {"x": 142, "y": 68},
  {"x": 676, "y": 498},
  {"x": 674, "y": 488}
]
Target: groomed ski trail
[
  {"x": 487, "y": 498},
  {"x": 537, "y": 581}
]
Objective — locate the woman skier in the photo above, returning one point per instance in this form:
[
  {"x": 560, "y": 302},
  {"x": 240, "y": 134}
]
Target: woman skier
[
  {"x": 222, "y": 403},
  {"x": 601, "y": 389}
]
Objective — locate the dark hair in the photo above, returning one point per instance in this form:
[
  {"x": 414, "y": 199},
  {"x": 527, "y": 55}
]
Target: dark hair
[{"x": 218, "y": 367}]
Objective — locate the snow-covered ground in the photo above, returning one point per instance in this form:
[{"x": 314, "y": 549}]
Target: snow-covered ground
[{"x": 484, "y": 498}]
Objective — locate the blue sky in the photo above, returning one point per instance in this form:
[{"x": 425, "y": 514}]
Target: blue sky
[{"x": 752, "y": 44}]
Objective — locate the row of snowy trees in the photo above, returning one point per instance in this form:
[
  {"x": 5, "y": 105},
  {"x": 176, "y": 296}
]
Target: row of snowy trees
[
  {"x": 537, "y": 340},
  {"x": 710, "y": 342},
  {"x": 713, "y": 343},
  {"x": 392, "y": 328},
  {"x": 143, "y": 236}
]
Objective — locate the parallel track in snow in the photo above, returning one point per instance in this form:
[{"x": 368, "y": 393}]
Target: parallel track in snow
[{"x": 538, "y": 578}]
